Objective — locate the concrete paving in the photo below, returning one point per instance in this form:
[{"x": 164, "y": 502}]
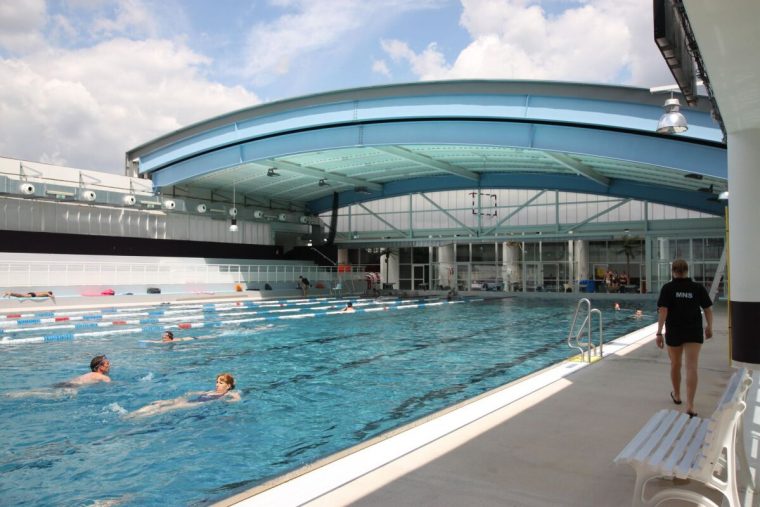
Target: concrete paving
[{"x": 553, "y": 447}]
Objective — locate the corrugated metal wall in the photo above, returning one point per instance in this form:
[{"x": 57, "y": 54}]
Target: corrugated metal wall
[{"x": 71, "y": 218}]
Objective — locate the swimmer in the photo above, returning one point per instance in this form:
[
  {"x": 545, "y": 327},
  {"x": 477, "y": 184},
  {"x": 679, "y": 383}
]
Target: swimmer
[
  {"x": 349, "y": 308},
  {"x": 638, "y": 313},
  {"x": 225, "y": 384},
  {"x": 40, "y": 294},
  {"x": 99, "y": 367},
  {"x": 168, "y": 337},
  {"x": 617, "y": 307}
]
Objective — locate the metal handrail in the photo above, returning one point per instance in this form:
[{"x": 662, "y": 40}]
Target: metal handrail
[{"x": 576, "y": 341}]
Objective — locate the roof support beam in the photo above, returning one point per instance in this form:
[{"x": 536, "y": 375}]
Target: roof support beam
[
  {"x": 604, "y": 212},
  {"x": 514, "y": 212},
  {"x": 445, "y": 212},
  {"x": 320, "y": 174},
  {"x": 578, "y": 168},
  {"x": 403, "y": 234},
  {"x": 426, "y": 161}
]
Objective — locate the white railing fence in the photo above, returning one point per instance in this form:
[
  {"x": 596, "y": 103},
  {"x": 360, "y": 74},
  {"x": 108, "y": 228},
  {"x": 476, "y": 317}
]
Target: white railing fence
[{"x": 47, "y": 274}]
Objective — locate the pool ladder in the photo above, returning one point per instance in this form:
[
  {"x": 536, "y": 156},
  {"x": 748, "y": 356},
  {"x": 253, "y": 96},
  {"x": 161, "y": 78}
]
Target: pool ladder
[{"x": 576, "y": 340}]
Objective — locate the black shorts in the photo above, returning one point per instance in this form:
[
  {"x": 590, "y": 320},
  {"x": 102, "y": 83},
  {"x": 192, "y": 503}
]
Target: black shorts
[{"x": 678, "y": 339}]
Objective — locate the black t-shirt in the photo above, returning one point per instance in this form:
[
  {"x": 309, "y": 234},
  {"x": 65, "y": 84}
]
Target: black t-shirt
[
  {"x": 683, "y": 298},
  {"x": 305, "y": 281}
]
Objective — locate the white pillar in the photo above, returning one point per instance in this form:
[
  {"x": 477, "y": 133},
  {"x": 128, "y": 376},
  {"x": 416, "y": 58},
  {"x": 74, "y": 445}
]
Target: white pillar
[
  {"x": 510, "y": 269},
  {"x": 447, "y": 266},
  {"x": 389, "y": 271},
  {"x": 580, "y": 254},
  {"x": 342, "y": 255},
  {"x": 744, "y": 184}
]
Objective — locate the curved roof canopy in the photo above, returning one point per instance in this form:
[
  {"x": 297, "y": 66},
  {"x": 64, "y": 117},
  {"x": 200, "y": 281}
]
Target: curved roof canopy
[{"x": 372, "y": 143}]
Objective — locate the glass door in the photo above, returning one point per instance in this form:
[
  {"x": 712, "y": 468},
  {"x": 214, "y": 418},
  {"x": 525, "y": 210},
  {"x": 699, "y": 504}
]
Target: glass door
[{"x": 420, "y": 277}]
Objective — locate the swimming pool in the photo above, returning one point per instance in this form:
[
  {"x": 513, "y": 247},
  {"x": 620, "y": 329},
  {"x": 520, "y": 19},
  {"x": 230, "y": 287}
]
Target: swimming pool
[{"x": 310, "y": 388}]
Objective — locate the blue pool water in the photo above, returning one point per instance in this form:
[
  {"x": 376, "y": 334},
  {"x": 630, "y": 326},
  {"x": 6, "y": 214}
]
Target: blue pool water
[{"x": 310, "y": 387}]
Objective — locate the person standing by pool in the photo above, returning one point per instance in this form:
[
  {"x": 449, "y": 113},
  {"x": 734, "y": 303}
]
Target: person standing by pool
[
  {"x": 225, "y": 383},
  {"x": 303, "y": 282},
  {"x": 679, "y": 307}
]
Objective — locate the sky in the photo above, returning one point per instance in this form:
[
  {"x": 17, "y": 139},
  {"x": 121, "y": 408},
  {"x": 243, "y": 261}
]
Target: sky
[{"x": 83, "y": 81}]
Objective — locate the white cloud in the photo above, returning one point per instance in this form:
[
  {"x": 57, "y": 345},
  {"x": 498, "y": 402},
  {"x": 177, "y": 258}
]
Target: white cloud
[
  {"x": 132, "y": 17},
  {"x": 86, "y": 107},
  {"x": 20, "y": 25},
  {"x": 380, "y": 67},
  {"x": 597, "y": 41},
  {"x": 313, "y": 25}
]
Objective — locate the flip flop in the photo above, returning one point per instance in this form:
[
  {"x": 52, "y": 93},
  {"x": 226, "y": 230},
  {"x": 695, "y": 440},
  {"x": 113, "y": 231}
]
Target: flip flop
[
  {"x": 672, "y": 397},
  {"x": 691, "y": 414}
]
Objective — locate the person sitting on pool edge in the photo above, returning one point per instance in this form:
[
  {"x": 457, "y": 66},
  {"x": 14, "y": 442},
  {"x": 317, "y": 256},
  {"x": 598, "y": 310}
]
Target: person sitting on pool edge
[
  {"x": 225, "y": 384},
  {"x": 39, "y": 294},
  {"x": 99, "y": 367}
]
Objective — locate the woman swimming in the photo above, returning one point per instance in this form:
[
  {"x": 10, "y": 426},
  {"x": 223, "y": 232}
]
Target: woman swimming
[{"x": 225, "y": 384}]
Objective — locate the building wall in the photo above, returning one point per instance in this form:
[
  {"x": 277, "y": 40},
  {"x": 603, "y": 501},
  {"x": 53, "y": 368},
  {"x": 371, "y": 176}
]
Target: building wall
[{"x": 82, "y": 219}]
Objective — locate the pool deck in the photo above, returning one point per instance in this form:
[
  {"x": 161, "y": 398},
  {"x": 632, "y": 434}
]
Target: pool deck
[{"x": 552, "y": 445}]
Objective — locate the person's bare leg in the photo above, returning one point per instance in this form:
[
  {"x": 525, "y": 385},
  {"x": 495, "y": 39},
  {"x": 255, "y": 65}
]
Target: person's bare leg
[
  {"x": 675, "y": 353},
  {"x": 692, "y": 367}
]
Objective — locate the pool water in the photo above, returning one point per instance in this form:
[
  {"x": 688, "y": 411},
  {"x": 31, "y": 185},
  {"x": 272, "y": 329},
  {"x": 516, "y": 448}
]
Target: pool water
[{"x": 310, "y": 387}]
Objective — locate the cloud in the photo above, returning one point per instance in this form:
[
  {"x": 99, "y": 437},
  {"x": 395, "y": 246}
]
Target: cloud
[
  {"x": 595, "y": 41},
  {"x": 86, "y": 107},
  {"x": 132, "y": 17},
  {"x": 20, "y": 25},
  {"x": 311, "y": 26},
  {"x": 380, "y": 67}
]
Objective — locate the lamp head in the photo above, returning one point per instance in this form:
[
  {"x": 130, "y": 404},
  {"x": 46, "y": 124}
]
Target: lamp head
[{"x": 672, "y": 121}]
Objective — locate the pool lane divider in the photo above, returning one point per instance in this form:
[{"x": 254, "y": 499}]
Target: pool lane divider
[
  {"x": 63, "y": 337},
  {"x": 197, "y": 316},
  {"x": 50, "y": 317},
  {"x": 189, "y": 305}
]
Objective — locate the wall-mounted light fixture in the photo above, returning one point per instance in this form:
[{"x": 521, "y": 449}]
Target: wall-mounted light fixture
[
  {"x": 233, "y": 225},
  {"x": 169, "y": 204},
  {"x": 26, "y": 188},
  {"x": 282, "y": 217},
  {"x": 129, "y": 200},
  {"x": 323, "y": 183},
  {"x": 272, "y": 172},
  {"x": 201, "y": 208},
  {"x": 88, "y": 195}
]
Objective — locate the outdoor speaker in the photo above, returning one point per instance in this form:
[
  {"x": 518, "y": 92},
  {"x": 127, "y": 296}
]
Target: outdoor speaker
[{"x": 26, "y": 188}]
